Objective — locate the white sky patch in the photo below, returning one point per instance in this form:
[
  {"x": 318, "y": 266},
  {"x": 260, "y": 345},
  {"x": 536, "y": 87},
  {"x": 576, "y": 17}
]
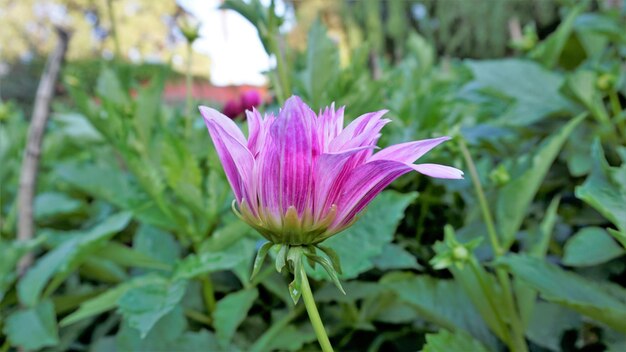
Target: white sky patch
[{"x": 232, "y": 43}]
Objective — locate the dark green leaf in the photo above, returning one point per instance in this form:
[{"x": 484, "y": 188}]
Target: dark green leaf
[
  {"x": 144, "y": 306},
  {"x": 591, "y": 246},
  {"x": 604, "y": 190},
  {"x": 230, "y": 311},
  {"x": 519, "y": 80},
  {"x": 570, "y": 290}
]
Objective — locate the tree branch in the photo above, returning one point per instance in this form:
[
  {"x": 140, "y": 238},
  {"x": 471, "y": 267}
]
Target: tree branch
[{"x": 30, "y": 163}]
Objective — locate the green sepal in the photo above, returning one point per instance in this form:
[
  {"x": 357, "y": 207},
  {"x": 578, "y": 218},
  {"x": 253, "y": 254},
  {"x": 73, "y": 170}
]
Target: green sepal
[
  {"x": 260, "y": 257},
  {"x": 281, "y": 257},
  {"x": 294, "y": 256},
  {"x": 311, "y": 250},
  {"x": 328, "y": 266},
  {"x": 334, "y": 258}
]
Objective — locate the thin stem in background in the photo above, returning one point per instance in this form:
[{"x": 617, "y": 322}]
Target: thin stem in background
[
  {"x": 188, "y": 91},
  {"x": 314, "y": 315},
  {"x": 116, "y": 40},
  {"x": 620, "y": 121},
  {"x": 517, "y": 342}
]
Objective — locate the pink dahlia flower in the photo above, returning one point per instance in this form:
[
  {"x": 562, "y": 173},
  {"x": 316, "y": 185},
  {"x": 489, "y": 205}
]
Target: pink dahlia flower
[{"x": 300, "y": 178}]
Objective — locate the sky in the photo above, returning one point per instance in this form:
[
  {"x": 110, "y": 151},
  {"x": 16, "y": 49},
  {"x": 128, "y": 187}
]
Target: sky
[{"x": 232, "y": 43}]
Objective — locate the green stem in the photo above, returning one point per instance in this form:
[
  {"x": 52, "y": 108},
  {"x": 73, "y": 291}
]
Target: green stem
[
  {"x": 620, "y": 121},
  {"x": 482, "y": 200},
  {"x": 282, "y": 81},
  {"x": 188, "y": 88},
  {"x": 208, "y": 294},
  {"x": 116, "y": 40},
  {"x": 314, "y": 315},
  {"x": 517, "y": 343}
]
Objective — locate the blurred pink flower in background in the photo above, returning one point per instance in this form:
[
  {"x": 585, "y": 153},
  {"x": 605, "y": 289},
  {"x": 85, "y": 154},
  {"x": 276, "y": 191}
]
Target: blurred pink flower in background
[{"x": 247, "y": 100}]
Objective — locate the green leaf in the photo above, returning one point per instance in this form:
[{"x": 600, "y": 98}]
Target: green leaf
[
  {"x": 195, "y": 265},
  {"x": 33, "y": 328},
  {"x": 260, "y": 257},
  {"x": 322, "y": 66},
  {"x": 147, "y": 107},
  {"x": 570, "y": 290},
  {"x": 110, "y": 88},
  {"x": 515, "y": 197},
  {"x": 67, "y": 257},
  {"x": 604, "y": 189},
  {"x": 156, "y": 243},
  {"x": 52, "y": 204},
  {"x": 591, "y": 246},
  {"x": 106, "y": 182},
  {"x": 443, "y": 302},
  {"x": 446, "y": 341},
  {"x": 549, "y": 322},
  {"x": 168, "y": 334},
  {"x": 230, "y": 311},
  {"x": 144, "y": 306},
  {"x": 126, "y": 256},
  {"x": 395, "y": 257},
  {"x": 107, "y": 300},
  {"x": 375, "y": 228},
  {"x": 520, "y": 79},
  {"x": 10, "y": 254}
]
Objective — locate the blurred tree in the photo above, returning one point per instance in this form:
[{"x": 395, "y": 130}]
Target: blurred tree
[{"x": 146, "y": 30}]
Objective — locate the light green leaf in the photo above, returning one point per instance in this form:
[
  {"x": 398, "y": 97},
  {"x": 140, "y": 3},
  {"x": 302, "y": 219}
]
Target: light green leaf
[
  {"x": 375, "y": 228},
  {"x": 591, "y": 246},
  {"x": 157, "y": 244},
  {"x": 230, "y": 311},
  {"x": 519, "y": 80},
  {"x": 195, "y": 265},
  {"x": 443, "y": 302},
  {"x": 604, "y": 189},
  {"x": 322, "y": 66},
  {"x": 144, "y": 306},
  {"x": 67, "y": 256},
  {"x": 110, "y": 88},
  {"x": 516, "y": 196},
  {"x": 33, "y": 328},
  {"x": 446, "y": 341},
  {"x": 395, "y": 257},
  {"x": 53, "y": 204},
  {"x": 570, "y": 290},
  {"x": 107, "y": 300}
]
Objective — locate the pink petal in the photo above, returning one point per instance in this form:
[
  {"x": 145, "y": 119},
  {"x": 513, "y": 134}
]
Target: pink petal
[
  {"x": 365, "y": 130},
  {"x": 256, "y": 131},
  {"x": 408, "y": 152},
  {"x": 363, "y": 184},
  {"x": 330, "y": 124},
  {"x": 237, "y": 161},
  {"x": 331, "y": 169},
  {"x": 293, "y": 133},
  {"x": 438, "y": 171},
  {"x": 227, "y": 124}
]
